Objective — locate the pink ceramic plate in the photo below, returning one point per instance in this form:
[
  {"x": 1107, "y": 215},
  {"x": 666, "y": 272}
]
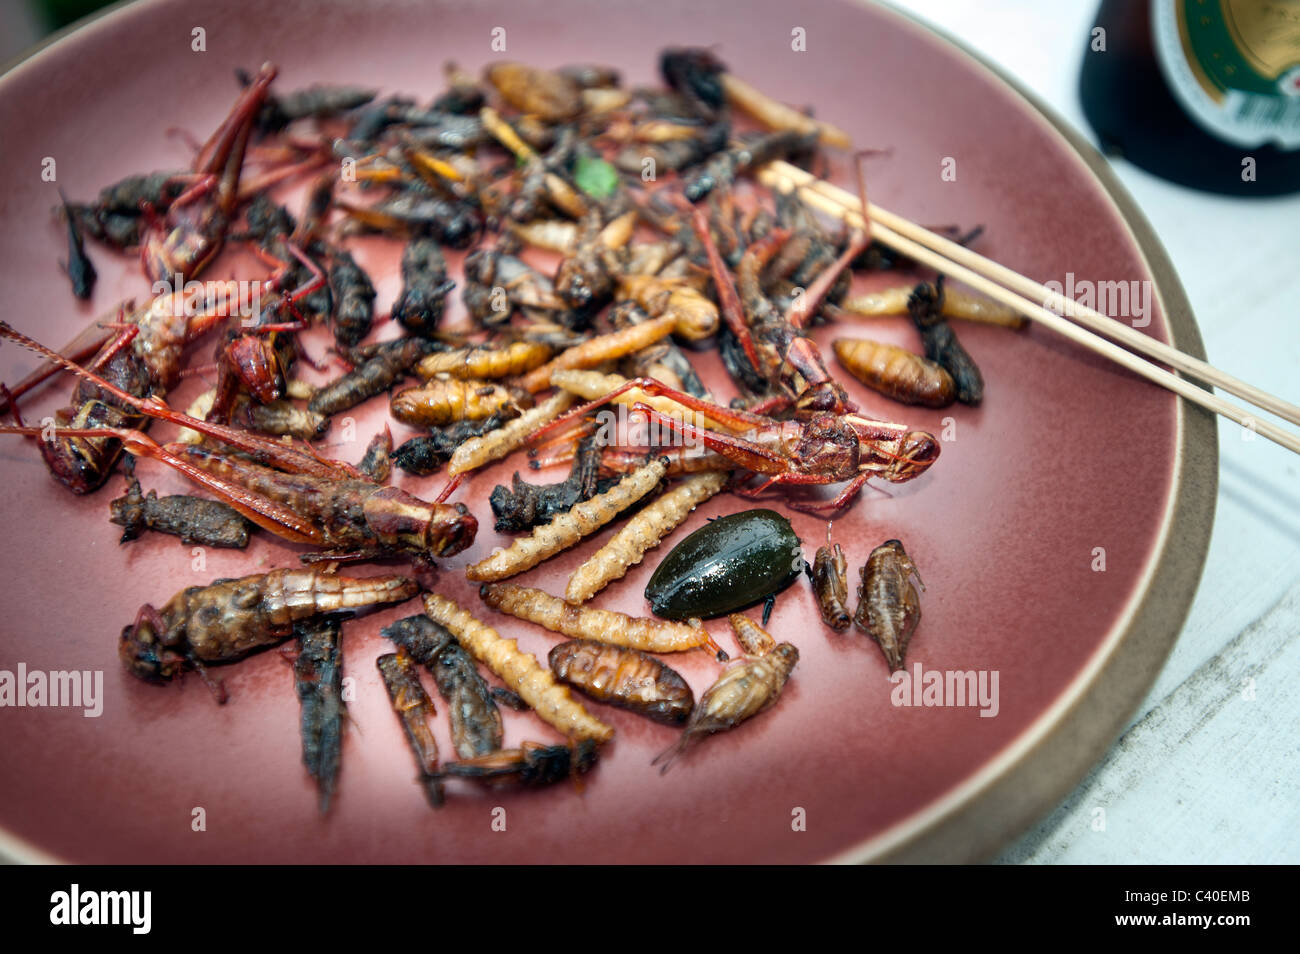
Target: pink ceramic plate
[{"x": 1068, "y": 456}]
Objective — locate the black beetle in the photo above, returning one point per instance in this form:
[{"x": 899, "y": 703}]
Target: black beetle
[{"x": 727, "y": 564}]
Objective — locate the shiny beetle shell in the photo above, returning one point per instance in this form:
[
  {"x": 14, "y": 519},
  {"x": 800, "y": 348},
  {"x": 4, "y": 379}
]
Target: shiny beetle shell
[{"x": 728, "y": 564}]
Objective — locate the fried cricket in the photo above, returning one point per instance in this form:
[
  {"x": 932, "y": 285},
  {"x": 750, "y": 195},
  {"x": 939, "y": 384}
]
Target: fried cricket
[
  {"x": 318, "y": 680},
  {"x": 889, "y": 607}
]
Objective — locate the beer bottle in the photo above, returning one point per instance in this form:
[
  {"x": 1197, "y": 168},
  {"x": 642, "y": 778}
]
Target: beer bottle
[{"x": 1205, "y": 93}]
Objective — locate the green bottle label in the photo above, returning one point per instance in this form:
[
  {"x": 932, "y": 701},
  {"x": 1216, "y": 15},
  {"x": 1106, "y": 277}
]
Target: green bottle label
[{"x": 1234, "y": 65}]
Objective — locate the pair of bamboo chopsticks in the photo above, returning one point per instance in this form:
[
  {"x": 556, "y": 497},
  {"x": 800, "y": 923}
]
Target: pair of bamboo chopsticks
[{"x": 1041, "y": 304}]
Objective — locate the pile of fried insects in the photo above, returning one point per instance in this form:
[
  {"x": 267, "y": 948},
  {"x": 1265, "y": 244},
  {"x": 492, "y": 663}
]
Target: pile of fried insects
[{"x": 667, "y": 247}]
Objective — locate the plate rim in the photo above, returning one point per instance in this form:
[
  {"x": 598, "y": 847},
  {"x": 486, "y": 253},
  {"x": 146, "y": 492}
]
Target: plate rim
[{"x": 1048, "y": 759}]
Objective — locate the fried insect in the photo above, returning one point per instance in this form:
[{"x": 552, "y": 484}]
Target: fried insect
[
  {"x": 497, "y": 443},
  {"x": 895, "y": 372},
  {"x": 749, "y": 686},
  {"x": 414, "y": 707},
  {"x": 425, "y": 286},
  {"x": 956, "y": 304},
  {"x": 889, "y": 608},
  {"x": 549, "y": 95},
  {"x": 694, "y": 316},
  {"x": 523, "y": 506},
  {"x": 519, "y": 670},
  {"x": 278, "y": 418},
  {"x": 567, "y": 529},
  {"x": 377, "y": 462},
  {"x": 475, "y": 719},
  {"x": 737, "y": 160},
  {"x": 442, "y": 401},
  {"x": 318, "y": 680},
  {"x": 228, "y": 619},
  {"x": 600, "y": 349},
  {"x": 605, "y": 626},
  {"x": 484, "y": 362},
  {"x": 530, "y": 765},
  {"x": 642, "y": 533},
  {"x": 585, "y": 278},
  {"x": 389, "y": 362},
  {"x": 426, "y": 454},
  {"x": 941, "y": 345},
  {"x": 354, "y": 299},
  {"x": 754, "y": 640},
  {"x": 625, "y": 678},
  {"x": 829, "y": 574},
  {"x": 80, "y": 269},
  {"x": 193, "y": 519},
  {"x": 593, "y": 385}
]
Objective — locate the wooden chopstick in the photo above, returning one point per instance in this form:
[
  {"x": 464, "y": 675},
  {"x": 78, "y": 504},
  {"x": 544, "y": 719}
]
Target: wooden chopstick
[{"x": 942, "y": 255}]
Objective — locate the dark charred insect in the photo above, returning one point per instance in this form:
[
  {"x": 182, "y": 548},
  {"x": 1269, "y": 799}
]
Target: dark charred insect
[
  {"x": 510, "y": 699},
  {"x": 450, "y": 221},
  {"x": 591, "y": 75},
  {"x": 387, "y": 364},
  {"x": 941, "y": 345},
  {"x": 524, "y": 506},
  {"x": 497, "y": 283},
  {"x": 377, "y": 462},
  {"x": 463, "y": 96},
  {"x": 895, "y": 372},
  {"x": 889, "y": 607},
  {"x": 425, "y": 286},
  {"x": 226, "y": 620},
  {"x": 318, "y": 680},
  {"x": 696, "y": 74},
  {"x": 475, "y": 720},
  {"x": 117, "y": 215},
  {"x": 313, "y": 102},
  {"x": 426, "y": 455},
  {"x": 829, "y": 573},
  {"x": 530, "y": 765},
  {"x": 625, "y": 678},
  {"x": 674, "y": 154},
  {"x": 414, "y": 707},
  {"x": 193, "y": 519},
  {"x": 354, "y": 299},
  {"x": 728, "y": 564},
  {"x": 747, "y": 687},
  {"x": 585, "y": 278},
  {"x": 737, "y": 160},
  {"x": 80, "y": 269}
]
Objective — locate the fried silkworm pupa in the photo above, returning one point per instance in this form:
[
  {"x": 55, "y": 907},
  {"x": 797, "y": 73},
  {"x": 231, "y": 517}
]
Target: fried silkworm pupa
[
  {"x": 414, "y": 707},
  {"x": 531, "y": 765},
  {"x": 376, "y": 374},
  {"x": 754, "y": 640},
  {"x": 193, "y": 519},
  {"x": 495, "y": 444},
  {"x": 567, "y": 529},
  {"x": 604, "y": 626},
  {"x": 444, "y": 401},
  {"x": 425, "y": 455},
  {"x": 746, "y": 688},
  {"x": 889, "y": 608},
  {"x": 625, "y": 678},
  {"x": 425, "y": 286},
  {"x": 318, "y": 680},
  {"x": 829, "y": 574},
  {"x": 354, "y": 300},
  {"x": 896, "y": 372},
  {"x": 725, "y": 565},
  {"x": 520, "y": 671},
  {"x": 479, "y": 361},
  {"x": 640, "y": 534},
  {"x": 475, "y": 719},
  {"x": 925, "y": 306},
  {"x": 600, "y": 349},
  {"x": 551, "y": 96}
]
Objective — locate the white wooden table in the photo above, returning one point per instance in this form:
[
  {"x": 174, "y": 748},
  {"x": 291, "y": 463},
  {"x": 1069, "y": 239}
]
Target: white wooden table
[{"x": 1207, "y": 770}]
